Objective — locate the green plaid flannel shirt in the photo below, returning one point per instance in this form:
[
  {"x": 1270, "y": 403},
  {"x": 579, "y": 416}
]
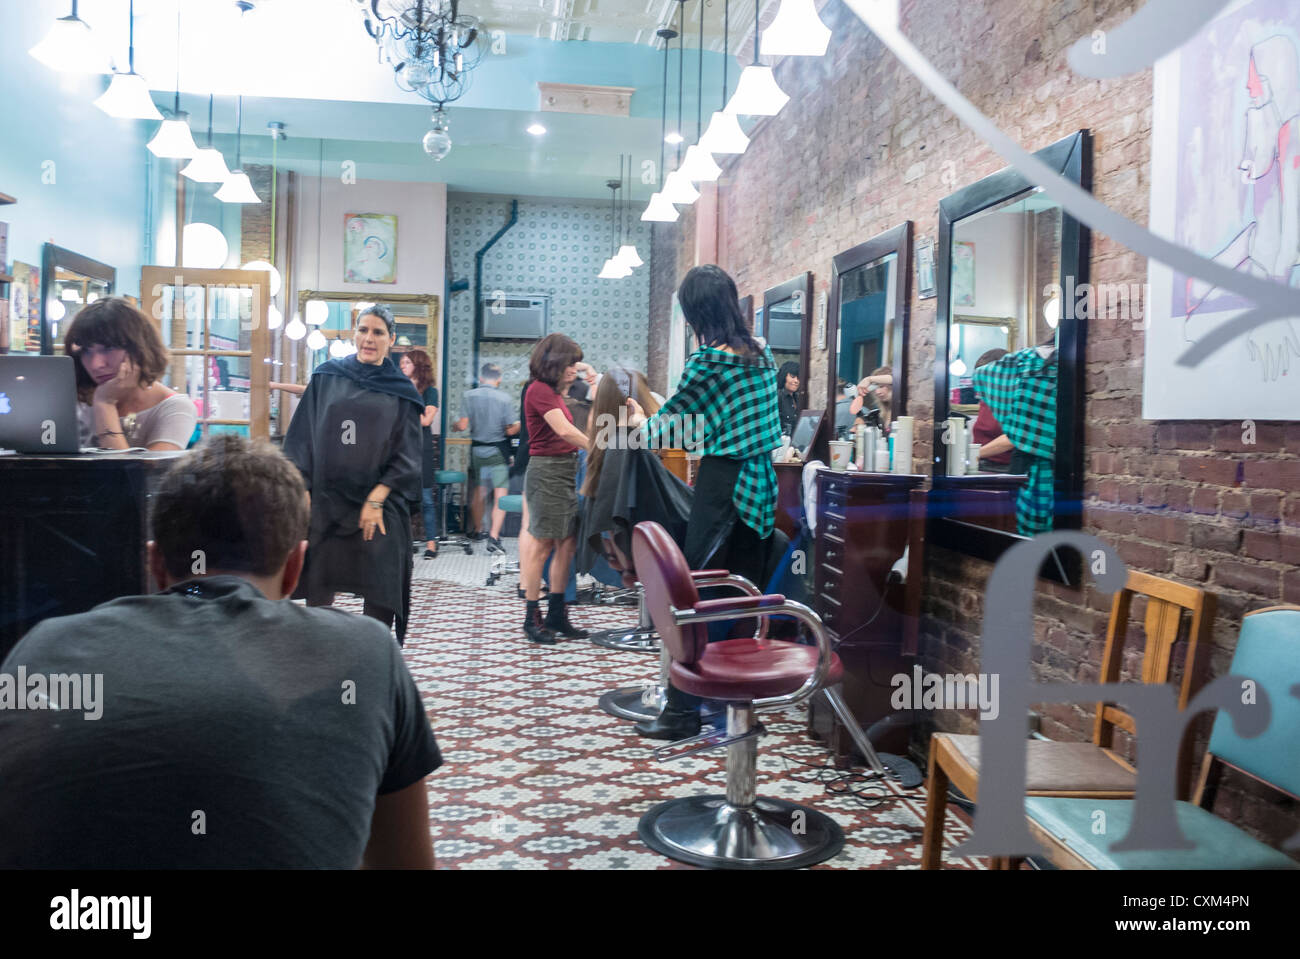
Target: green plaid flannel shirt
[
  {"x": 1020, "y": 389},
  {"x": 736, "y": 398}
]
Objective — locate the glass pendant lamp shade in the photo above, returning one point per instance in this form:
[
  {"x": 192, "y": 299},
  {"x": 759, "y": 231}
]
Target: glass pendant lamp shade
[
  {"x": 757, "y": 94},
  {"x": 627, "y": 253},
  {"x": 174, "y": 141},
  {"x": 610, "y": 271},
  {"x": 318, "y": 311},
  {"x": 659, "y": 210},
  {"x": 797, "y": 31},
  {"x": 274, "y": 318},
  {"x": 207, "y": 166},
  {"x": 276, "y": 281},
  {"x": 724, "y": 135},
  {"x": 237, "y": 189},
  {"x": 338, "y": 349},
  {"x": 698, "y": 166},
  {"x": 127, "y": 98},
  {"x": 316, "y": 340},
  {"x": 71, "y": 47},
  {"x": 296, "y": 329},
  {"x": 678, "y": 189}
]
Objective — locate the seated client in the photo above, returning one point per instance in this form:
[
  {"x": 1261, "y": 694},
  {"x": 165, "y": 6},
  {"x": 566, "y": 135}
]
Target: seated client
[
  {"x": 216, "y": 725},
  {"x": 120, "y": 361}
]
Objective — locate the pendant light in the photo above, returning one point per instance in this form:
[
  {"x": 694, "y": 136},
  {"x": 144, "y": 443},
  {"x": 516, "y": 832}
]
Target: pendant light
[
  {"x": 627, "y": 252},
  {"x": 238, "y": 189},
  {"x": 208, "y": 165},
  {"x": 698, "y": 165},
  {"x": 757, "y": 94},
  {"x": 317, "y": 341},
  {"x": 127, "y": 96},
  {"x": 296, "y": 329},
  {"x": 679, "y": 189},
  {"x": 797, "y": 31},
  {"x": 614, "y": 268},
  {"x": 318, "y": 311},
  {"x": 174, "y": 141},
  {"x": 724, "y": 134},
  {"x": 677, "y": 185},
  {"x": 339, "y": 348},
  {"x": 659, "y": 210},
  {"x": 71, "y": 47}
]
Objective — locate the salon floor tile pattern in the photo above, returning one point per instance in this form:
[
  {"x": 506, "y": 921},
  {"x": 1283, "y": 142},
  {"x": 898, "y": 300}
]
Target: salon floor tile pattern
[{"x": 537, "y": 777}]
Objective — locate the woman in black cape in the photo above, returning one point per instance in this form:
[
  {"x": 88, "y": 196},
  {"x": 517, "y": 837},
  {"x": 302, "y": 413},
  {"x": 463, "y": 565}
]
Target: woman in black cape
[{"x": 356, "y": 439}]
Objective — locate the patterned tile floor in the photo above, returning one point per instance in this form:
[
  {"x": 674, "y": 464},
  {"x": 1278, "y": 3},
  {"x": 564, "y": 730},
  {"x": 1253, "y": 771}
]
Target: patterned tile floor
[{"x": 537, "y": 777}]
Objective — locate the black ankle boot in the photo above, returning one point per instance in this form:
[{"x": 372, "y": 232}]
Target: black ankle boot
[
  {"x": 534, "y": 628},
  {"x": 557, "y": 619},
  {"x": 679, "y": 720}
]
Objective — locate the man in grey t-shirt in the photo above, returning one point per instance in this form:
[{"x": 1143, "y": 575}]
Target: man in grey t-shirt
[
  {"x": 216, "y": 724},
  {"x": 490, "y": 418}
]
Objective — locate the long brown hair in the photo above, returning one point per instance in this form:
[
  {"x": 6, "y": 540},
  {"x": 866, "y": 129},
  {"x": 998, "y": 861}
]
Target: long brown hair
[
  {"x": 116, "y": 324},
  {"x": 423, "y": 368},
  {"x": 611, "y": 397}
]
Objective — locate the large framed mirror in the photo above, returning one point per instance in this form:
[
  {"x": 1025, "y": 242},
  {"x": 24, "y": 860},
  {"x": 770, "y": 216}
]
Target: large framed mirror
[
  {"x": 867, "y": 321},
  {"x": 416, "y": 316},
  {"x": 69, "y": 281},
  {"x": 785, "y": 324},
  {"x": 1008, "y": 376}
]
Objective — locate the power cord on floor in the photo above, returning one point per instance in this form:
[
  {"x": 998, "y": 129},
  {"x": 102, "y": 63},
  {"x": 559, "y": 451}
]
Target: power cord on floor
[{"x": 840, "y": 782}]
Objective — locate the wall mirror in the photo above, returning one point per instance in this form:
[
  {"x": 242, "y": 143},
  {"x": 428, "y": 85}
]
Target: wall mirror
[
  {"x": 784, "y": 323},
  {"x": 867, "y": 318},
  {"x": 68, "y": 282},
  {"x": 416, "y": 316},
  {"x": 1009, "y": 373}
]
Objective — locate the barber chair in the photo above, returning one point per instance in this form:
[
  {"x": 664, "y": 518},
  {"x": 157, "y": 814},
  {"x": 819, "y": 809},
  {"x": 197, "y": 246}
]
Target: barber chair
[
  {"x": 446, "y": 480},
  {"x": 500, "y": 563},
  {"x": 738, "y": 830},
  {"x": 646, "y": 701}
]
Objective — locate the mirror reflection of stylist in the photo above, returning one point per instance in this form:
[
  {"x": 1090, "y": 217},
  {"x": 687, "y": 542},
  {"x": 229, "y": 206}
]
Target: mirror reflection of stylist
[
  {"x": 995, "y": 446},
  {"x": 726, "y": 387},
  {"x": 876, "y": 395},
  {"x": 120, "y": 362},
  {"x": 788, "y": 403},
  {"x": 355, "y": 438}
]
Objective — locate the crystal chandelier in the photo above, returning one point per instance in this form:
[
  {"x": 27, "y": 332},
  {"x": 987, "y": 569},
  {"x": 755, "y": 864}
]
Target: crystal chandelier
[{"x": 433, "y": 49}]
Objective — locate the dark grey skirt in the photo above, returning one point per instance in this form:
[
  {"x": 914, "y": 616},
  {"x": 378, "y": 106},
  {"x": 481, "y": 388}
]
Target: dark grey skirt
[{"x": 551, "y": 491}]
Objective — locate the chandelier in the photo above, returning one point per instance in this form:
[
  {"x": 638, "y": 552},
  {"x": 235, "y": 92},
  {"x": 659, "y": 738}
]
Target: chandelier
[{"x": 433, "y": 49}]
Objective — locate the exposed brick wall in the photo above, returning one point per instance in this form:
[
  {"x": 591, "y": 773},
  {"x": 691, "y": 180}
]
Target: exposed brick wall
[{"x": 862, "y": 147}]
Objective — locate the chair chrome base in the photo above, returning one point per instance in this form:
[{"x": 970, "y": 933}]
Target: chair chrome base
[
  {"x": 637, "y": 703},
  {"x": 710, "y": 832},
  {"x": 630, "y": 638}
]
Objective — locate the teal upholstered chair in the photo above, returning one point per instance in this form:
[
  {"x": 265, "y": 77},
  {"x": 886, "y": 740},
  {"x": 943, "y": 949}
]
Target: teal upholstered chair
[{"x": 1268, "y": 651}]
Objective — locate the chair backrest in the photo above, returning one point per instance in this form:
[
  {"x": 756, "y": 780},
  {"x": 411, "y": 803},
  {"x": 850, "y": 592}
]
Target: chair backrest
[
  {"x": 662, "y": 570},
  {"x": 1166, "y": 603},
  {"x": 618, "y": 560},
  {"x": 1268, "y": 652}
]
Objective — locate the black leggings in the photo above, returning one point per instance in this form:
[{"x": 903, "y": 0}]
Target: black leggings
[{"x": 374, "y": 611}]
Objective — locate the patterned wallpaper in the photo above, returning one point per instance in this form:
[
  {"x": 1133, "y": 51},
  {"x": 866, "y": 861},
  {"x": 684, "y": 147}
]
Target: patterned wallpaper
[{"x": 557, "y": 247}]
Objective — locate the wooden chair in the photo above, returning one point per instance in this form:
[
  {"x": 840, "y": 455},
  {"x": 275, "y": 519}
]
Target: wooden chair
[
  {"x": 1092, "y": 769},
  {"x": 1268, "y": 651}
]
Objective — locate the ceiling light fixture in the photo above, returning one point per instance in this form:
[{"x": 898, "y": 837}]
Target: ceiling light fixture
[
  {"x": 437, "y": 142},
  {"x": 674, "y": 138},
  {"x": 318, "y": 311},
  {"x": 537, "y": 129},
  {"x": 797, "y": 31},
  {"x": 659, "y": 210},
  {"x": 698, "y": 165},
  {"x": 71, "y": 47},
  {"x": 627, "y": 252},
  {"x": 724, "y": 134},
  {"x": 238, "y": 188},
  {"x": 276, "y": 281},
  {"x": 127, "y": 96},
  {"x": 207, "y": 165},
  {"x": 614, "y": 268},
  {"x": 316, "y": 340},
  {"x": 174, "y": 141},
  {"x": 757, "y": 93},
  {"x": 296, "y": 329}
]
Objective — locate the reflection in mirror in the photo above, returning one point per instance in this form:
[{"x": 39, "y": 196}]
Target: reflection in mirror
[
  {"x": 783, "y": 322},
  {"x": 1002, "y": 369},
  {"x": 865, "y": 348},
  {"x": 69, "y": 281}
]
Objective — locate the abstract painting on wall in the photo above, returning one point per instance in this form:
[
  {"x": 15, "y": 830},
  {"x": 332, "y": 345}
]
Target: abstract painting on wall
[
  {"x": 1226, "y": 183},
  {"x": 369, "y": 248}
]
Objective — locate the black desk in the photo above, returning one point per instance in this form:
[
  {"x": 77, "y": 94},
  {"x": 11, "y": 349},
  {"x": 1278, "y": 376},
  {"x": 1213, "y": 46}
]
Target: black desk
[{"x": 72, "y": 533}]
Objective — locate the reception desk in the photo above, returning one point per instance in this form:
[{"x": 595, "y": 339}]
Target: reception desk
[
  {"x": 72, "y": 534},
  {"x": 865, "y": 522}
]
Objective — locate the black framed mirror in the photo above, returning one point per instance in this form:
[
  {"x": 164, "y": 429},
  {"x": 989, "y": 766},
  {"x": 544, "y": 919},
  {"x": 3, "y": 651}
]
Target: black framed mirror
[
  {"x": 785, "y": 324},
  {"x": 1008, "y": 375},
  {"x": 68, "y": 282},
  {"x": 867, "y": 321}
]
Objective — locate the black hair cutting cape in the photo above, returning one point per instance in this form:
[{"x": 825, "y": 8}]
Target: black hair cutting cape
[
  {"x": 354, "y": 429},
  {"x": 634, "y": 487}
]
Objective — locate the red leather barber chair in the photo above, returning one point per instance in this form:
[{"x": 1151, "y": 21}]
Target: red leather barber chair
[
  {"x": 646, "y": 701},
  {"x": 738, "y": 830}
]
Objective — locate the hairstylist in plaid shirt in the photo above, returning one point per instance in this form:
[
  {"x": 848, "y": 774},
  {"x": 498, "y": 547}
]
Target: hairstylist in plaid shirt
[{"x": 729, "y": 388}]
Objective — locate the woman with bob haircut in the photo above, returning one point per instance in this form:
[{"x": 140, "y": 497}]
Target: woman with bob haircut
[{"x": 120, "y": 364}]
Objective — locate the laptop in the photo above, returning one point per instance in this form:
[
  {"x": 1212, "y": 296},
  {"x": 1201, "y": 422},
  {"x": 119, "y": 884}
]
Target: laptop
[{"x": 38, "y": 404}]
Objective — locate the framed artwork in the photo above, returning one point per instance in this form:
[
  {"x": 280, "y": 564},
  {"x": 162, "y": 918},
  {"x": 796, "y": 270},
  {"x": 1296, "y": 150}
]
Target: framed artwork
[
  {"x": 369, "y": 248},
  {"x": 963, "y": 273},
  {"x": 1226, "y": 127},
  {"x": 25, "y": 309},
  {"x": 925, "y": 284}
]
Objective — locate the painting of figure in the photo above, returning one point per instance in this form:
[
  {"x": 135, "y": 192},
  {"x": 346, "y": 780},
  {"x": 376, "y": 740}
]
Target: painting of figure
[{"x": 369, "y": 248}]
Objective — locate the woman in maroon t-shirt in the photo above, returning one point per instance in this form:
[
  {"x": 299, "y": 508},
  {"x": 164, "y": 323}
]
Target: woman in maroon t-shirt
[{"x": 550, "y": 484}]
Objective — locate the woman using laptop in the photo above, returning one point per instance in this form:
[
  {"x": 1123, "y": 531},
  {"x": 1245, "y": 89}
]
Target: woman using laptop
[{"x": 120, "y": 361}]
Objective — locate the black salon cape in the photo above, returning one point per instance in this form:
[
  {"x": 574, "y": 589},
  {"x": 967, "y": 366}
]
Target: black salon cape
[
  {"x": 634, "y": 487},
  {"x": 356, "y": 426}
]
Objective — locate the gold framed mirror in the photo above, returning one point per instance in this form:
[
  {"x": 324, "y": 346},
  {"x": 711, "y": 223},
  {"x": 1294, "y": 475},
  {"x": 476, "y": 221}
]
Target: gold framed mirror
[
  {"x": 971, "y": 339},
  {"x": 417, "y": 316}
]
